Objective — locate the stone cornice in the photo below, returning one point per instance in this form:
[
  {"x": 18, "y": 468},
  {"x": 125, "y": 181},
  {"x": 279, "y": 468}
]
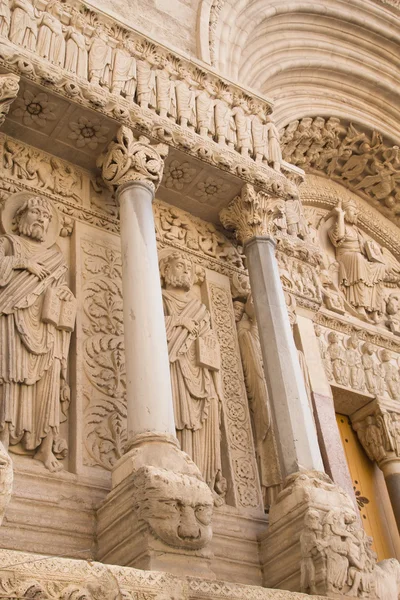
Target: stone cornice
[{"x": 158, "y": 92}]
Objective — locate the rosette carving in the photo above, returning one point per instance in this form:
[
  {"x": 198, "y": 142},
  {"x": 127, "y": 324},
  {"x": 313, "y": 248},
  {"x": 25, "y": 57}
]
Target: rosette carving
[{"x": 131, "y": 159}]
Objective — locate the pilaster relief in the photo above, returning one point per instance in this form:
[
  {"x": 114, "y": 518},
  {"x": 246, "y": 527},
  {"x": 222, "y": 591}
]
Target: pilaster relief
[
  {"x": 38, "y": 315},
  {"x": 9, "y": 86},
  {"x": 361, "y": 160},
  {"x": 130, "y": 159},
  {"x": 104, "y": 415},
  {"x": 237, "y": 424}
]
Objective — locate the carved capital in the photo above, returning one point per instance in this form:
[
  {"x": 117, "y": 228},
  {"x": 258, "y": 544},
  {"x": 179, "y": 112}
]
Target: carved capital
[
  {"x": 130, "y": 159},
  {"x": 250, "y": 214},
  {"x": 378, "y": 430},
  {"x": 9, "y": 87}
]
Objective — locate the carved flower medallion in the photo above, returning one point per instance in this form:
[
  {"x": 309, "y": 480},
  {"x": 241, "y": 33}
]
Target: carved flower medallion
[
  {"x": 177, "y": 174},
  {"x": 211, "y": 190},
  {"x": 34, "y": 109},
  {"x": 88, "y": 132}
]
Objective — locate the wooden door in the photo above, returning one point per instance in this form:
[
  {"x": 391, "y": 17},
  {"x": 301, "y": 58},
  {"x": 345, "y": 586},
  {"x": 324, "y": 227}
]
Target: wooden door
[{"x": 370, "y": 489}]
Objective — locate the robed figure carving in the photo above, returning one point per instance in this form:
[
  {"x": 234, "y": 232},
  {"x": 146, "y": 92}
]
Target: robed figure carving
[
  {"x": 253, "y": 370},
  {"x": 362, "y": 268},
  {"x": 37, "y": 314},
  {"x": 193, "y": 354}
]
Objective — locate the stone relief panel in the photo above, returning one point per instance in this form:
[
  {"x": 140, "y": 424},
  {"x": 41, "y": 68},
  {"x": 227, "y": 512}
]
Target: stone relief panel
[
  {"x": 200, "y": 327},
  {"x": 100, "y": 364},
  {"x": 37, "y": 317},
  {"x": 359, "y": 273},
  {"x": 217, "y": 295},
  {"x": 40, "y": 171},
  {"x": 359, "y": 360}
]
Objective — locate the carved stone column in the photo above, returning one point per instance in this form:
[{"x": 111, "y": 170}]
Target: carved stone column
[
  {"x": 378, "y": 428},
  {"x": 158, "y": 514},
  {"x": 9, "y": 87},
  {"x": 250, "y": 215}
]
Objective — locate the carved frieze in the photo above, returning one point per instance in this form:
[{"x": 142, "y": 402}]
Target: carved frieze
[
  {"x": 357, "y": 362},
  {"x": 87, "y": 53}
]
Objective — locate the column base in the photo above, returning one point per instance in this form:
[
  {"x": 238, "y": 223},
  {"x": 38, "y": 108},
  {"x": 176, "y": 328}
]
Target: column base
[
  {"x": 316, "y": 545},
  {"x": 158, "y": 513}
]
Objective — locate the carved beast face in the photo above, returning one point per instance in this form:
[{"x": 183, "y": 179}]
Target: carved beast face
[{"x": 177, "y": 508}]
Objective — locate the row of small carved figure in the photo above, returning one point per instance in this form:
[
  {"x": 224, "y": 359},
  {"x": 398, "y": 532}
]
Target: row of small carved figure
[
  {"x": 144, "y": 76},
  {"x": 362, "y": 160},
  {"x": 358, "y": 365}
]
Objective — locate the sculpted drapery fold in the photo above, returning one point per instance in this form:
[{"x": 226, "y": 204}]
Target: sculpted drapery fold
[
  {"x": 196, "y": 388},
  {"x": 37, "y": 313}
]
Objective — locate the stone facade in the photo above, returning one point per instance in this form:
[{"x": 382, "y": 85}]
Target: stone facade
[{"x": 194, "y": 278}]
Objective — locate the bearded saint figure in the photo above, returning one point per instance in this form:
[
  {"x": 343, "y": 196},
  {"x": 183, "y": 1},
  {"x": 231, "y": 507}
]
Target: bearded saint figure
[
  {"x": 195, "y": 386},
  {"x": 37, "y": 314},
  {"x": 361, "y": 266}
]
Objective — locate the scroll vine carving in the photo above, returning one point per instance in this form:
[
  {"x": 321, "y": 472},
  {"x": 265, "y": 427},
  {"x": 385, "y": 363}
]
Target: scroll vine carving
[
  {"x": 105, "y": 412},
  {"x": 235, "y": 410}
]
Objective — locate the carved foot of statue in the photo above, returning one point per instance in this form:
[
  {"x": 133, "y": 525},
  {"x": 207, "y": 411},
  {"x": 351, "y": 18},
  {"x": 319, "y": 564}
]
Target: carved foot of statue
[{"x": 46, "y": 456}]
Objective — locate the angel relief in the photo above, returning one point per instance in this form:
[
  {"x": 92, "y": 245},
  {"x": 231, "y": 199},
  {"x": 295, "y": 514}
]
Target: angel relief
[{"x": 366, "y": 272}]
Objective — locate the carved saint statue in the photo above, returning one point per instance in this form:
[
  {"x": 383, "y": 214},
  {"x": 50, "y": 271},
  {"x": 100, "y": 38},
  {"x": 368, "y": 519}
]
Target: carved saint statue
[
  {"x": 361, "y": 266},
  {"x": 250, "y": 351},
  {"x": 193, "y": 354},
  {"x": 37, "y": 314}
]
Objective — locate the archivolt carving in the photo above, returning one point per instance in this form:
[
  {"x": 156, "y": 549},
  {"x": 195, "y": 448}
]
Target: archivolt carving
[{"x": 360, "y": 160}]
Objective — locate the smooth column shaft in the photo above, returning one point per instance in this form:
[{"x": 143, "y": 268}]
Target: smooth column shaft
[
  {"x": 149, "y": 395},
  {"x": 295, "y": 428}
]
